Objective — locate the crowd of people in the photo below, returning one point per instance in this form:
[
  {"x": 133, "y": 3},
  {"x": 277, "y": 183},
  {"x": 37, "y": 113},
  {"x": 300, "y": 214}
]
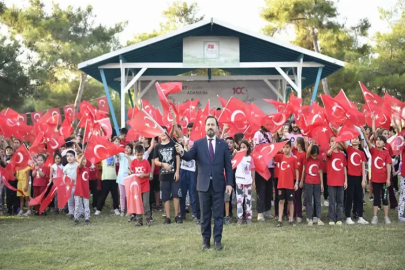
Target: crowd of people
[{"x": 300, "y": 176}]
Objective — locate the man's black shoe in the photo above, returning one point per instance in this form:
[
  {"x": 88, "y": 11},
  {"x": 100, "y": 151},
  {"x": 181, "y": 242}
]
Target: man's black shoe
[
  {"x": 218, "y": 246},
  {"x": 206, "y": 245}
]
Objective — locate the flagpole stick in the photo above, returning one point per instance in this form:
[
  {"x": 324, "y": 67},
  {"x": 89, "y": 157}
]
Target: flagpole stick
[{"x": 219, "y": 117}]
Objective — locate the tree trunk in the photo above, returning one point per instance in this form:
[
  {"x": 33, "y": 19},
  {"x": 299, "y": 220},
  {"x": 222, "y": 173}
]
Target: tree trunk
[
  {"x": 316, "y": 49},
  {"x": 80, "y": 93}
]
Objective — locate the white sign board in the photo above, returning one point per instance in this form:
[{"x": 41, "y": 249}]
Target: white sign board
[{"x": 247, "y": 91}]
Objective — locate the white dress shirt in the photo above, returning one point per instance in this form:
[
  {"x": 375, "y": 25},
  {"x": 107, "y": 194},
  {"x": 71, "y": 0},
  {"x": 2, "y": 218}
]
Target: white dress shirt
[{"x": 213, "y": 142}]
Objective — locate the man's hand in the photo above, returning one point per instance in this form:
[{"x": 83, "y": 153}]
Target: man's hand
[
  {"x": 166, "y": 166},
  {"x": 228, "y": 190},
  {"x": 179, "y": 149},
  {"x": 176, "y": 176}
]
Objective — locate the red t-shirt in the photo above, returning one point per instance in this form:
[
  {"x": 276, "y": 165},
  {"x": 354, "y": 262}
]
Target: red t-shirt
[
  {"x": 82, "y": 183},
  {"x": 389, "y": 148},
  {"x": 287, "y": 171},
  {"x": 355, "y": 158},
  {"x": 335, "y": 166},
  {"x": 93, "y": 171},
  {"x": 277, "y": 166},
  {"x": 41, "y": 181},
  {"x": 379, "y": 160},
  {"x": 301, "y": 156},
  {"x": 141, "y": 167},
  {"x": 312, "y": 167}
]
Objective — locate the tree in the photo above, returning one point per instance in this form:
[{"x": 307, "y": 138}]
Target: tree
[
  {"x": 385, "y": 70},
  {"x": 316, "y": 27},
  {"x": 58, "y": 42},
  {"x": 14, "y": 83}
]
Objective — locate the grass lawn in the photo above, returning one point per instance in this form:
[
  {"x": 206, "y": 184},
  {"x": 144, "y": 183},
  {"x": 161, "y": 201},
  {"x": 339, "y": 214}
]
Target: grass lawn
[{"x": 110, "y": 242}]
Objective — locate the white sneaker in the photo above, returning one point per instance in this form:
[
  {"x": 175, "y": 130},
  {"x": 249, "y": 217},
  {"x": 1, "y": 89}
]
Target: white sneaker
[
  {"x": 117, "y": 212},
  {"x": 127, "y": 215},
  {"x": 374, "y": 221},
  {"x": 27, "y": 214},
  {"x": 349, "y": 221},
  {"x": 315, "y": 220},
  {"x": 310, "y": 223},
  {"x": 122, "y": 214},
  {"x": 20, "y": 214},
  {"x": 320, "y": 222},
  {"x": 326, "y": 203},
  {"x": 164, "y": 213},
  {"x": 362, "y": 221},
  {"x": 260, "y": 217},
  {"x": 97, "y": 213},
  {"x": 268, "y": 214},
  {"x": 387, "y": 220},
  {"x": 299, "y": 220}
]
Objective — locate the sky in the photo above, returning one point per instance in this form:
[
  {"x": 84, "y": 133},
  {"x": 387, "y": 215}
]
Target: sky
[{"x": 145, "y": 15}]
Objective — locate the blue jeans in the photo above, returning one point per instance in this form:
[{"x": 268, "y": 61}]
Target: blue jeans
[{"x": 187, "y": 183}]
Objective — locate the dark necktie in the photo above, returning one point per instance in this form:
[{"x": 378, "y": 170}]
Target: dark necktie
[{"x": 211, "y": 147}]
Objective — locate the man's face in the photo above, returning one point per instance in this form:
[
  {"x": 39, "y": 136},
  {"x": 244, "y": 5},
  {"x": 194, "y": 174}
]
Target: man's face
[
  {"x": 211, "y": 127},
  {"x": 16, "y": 144},
  {"x": 294, "y": 127}
]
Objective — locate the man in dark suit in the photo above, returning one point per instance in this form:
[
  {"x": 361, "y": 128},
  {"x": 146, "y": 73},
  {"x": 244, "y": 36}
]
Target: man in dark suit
[{"x": 212, "y": 157}]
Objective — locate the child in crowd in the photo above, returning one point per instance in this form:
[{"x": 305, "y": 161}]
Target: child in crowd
[
  {"x": 380, "y": 175},
  {"x": 108, "y": 185},
  {"x": 70, "y": 169},
  {"x": 168, "y": 160},
  {"x": 82, "y": 192},
  {"x": 124, "y": 159},
  {"x": 57, "y": 159},
  {"x": 312, "y": 177},
  {"x": 22, "y": 177},
  {"x": 301, "y": 156},
  {"x": 227, "y": 198},
  {"x": 356, "y": 180},
  {"x": 401, "y": 172},
  {"x": 245, "y": 178},
  {"x": 141, "y": 167},
  {"x": 287, "y": 173},
  {"x": 93, "y": 183},
  {"x": 41, "y": 179},
  {"x": 337, "y": 182}
]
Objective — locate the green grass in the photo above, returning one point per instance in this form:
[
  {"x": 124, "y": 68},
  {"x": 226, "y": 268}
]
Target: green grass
[{"x": 110, "y": 242}]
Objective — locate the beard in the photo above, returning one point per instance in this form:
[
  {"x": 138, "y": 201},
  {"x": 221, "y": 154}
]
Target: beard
[{"x": 210, "y": 133}]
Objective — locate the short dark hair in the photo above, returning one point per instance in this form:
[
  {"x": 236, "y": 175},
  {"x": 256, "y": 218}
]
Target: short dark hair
[
  {"x": 179, "y": 126},
  {"x": 42, "y": 156},
  {"x": 165, "y": 128},
  {"x": 314, "y": 150},
  {"x": 382, "y": 138},
  {"x": 212, "y": 117},
  {"x": 288, "y": 142},
  {"x": 130, "y": 145},
  {"x": 393, "y": 129},
  {"x": 229, "y": 138},
  {"x": 116, "y": 138},
  {"x": 123, "y": 131},
  {"x": 190, "y": 125},
  {"x": 15, "y": 139},
  {"x": 9, "y": 147},
  {"x": 139, "y": 149},
  {"x": 238, "y": 137},
  {"x": 71, "y": 152},
  {"x": 249, "y": 149},
  {"x": 69, "y": 144}
]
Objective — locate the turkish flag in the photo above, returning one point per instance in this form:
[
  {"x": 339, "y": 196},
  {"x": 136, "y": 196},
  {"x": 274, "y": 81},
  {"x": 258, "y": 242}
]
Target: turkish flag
[
  {"x": 198, "y": 130},
  {"x": 352, "y": 113},
  {"x": 321, "y": 135},
  {"x": 14, "y": 116},
  {"x": 102, "y": 104},
  {"x": 66, "y": 128},
  {"x": 64, "y": 185},
  {"x": 56, "y": 113},
  {"x": 275, "y": 121},
  {"x": 260, "y": 166},
  {"x": 373, "y": 101},
  {"x": 103, "y": 128},
  {"x": 49, "y": 161},
  {"x": 171, "y": 87},
  {"x": 167, "y": 107},
  {"x": 335, "y": 113},
  {"x": 82, "y": 182},
  {"x": 48, "y": 199},
  {"x": 347, "y": 132},
  {"x": 38, "y": 199},
  {"x": 222, "y": 101},
  {"x": 23, "y": 118},
  {"x": 6, "y": 176},
  {"x": 38, "y": 146},
  {"x": 134, "y": 195},
  {"x": 280, "y": 106},
  {"x": 237, "y": 159},
  {"x": 382, "y": 119},
  {"x": 396, "y": 106},
  {"x": 99, "y": 149},
  {"x": 35, "y": 116},
  {"x": 21, "y": 159},
  {"x": 293, "y": 104},
  {"x": 145, "y": 125},
  {"x": 236, "y": 111},
  {"x": 397, "y": 143},
  {"x": 54, "y": 142},
  {"x": 147, "y": 107},
  {"x": 69, "y": 112},
  {"x": 10, "y": 127}
]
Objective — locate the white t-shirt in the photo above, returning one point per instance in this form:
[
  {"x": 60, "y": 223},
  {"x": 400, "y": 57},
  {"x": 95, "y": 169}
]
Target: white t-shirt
[
  {"x": 71, "y": 171},
  {"x": 124, "y": 167},
  {"x": 293, "y": 137},
  {"x": 188, "y": 165},
  {"x": 243, "y": 175},
  {"x": 55, "y": 169}
]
